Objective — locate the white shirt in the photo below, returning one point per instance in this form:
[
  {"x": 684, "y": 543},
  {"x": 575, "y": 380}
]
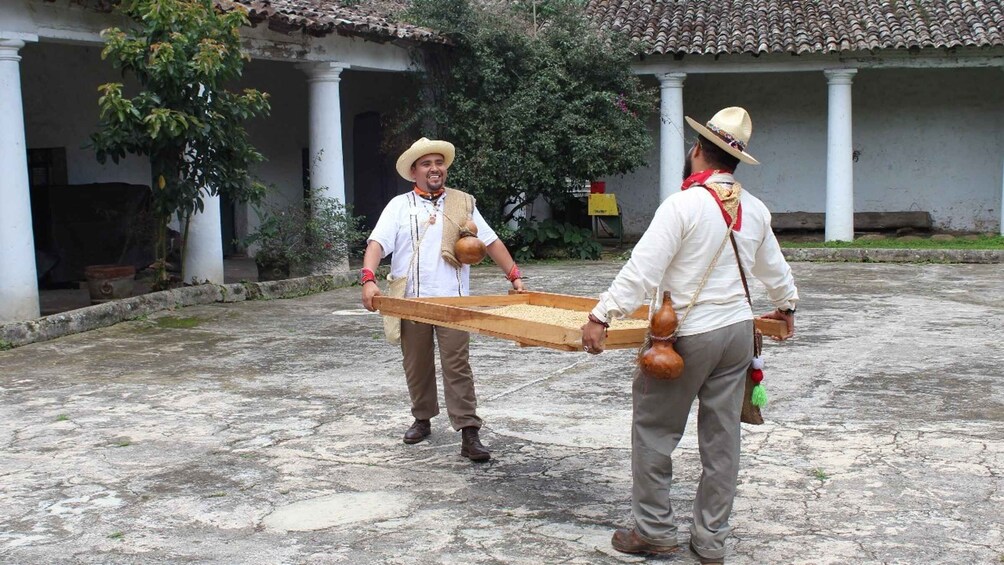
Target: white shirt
[
  {"x": 676, "y": 250},
  {"x": 403, "y": 221}
]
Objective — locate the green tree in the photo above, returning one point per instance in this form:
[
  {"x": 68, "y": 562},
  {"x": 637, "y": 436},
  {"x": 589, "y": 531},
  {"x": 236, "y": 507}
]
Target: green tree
[
  {"x": 182, "y": 53},
  {"x": 535, "y": 97}
]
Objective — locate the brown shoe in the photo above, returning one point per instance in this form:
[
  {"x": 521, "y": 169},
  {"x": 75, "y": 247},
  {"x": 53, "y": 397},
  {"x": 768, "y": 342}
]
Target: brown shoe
[
  {"x": 628, "y": 541},
  {"x": 470, "y": 446},
  {"x": 418, "y": 431}
]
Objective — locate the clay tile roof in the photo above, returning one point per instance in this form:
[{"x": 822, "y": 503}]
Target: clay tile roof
[
  {"x": 376, "y": 20},
  {"x": 372, "y": 19},
  {"x": 718, "y": 27}
]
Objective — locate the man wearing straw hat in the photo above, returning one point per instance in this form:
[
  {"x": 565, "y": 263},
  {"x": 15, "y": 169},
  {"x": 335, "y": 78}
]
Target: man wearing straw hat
[
  {"x": 420, "y": 229},
  {"x": 686, "y": 251}
]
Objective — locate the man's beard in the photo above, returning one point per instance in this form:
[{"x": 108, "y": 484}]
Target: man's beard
[{"x": 688, "y": 167}]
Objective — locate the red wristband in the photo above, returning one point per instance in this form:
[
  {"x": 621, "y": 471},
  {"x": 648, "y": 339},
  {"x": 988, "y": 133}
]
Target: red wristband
[
  {"x": 513, "y": 273},
  {"x": 365, "y": 276}
]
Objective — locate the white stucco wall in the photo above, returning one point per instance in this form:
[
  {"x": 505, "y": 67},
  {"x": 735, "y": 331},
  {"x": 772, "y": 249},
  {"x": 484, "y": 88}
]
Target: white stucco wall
[
  {"x": 930, "y": 139},
  {"x": 60, "y": 91},
  {"x": 367, "y": 91},
  {"x": 60, "y": 97},
  {"x": 282, "y": 135}
]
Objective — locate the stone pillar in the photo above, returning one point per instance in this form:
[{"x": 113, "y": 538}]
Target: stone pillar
[
  {"x": 839, "y": 162},
  {"x": 672, "y": 152},
  {"x": 18, "y": 276},
  {"x": 327, "y": 164},
  {"x": 327, "y": 168},
  {"x": 204, "y": 245}
]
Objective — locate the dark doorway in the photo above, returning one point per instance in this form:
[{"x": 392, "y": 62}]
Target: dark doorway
[
  {"x": 228, "y": 226},
  {"x": 375, "y": 180}
]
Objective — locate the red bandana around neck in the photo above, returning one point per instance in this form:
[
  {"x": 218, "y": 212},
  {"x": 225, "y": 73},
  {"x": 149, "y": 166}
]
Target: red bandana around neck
[
  {"x": 699, "y": 179},
  {"x": 428, "y": 195}
]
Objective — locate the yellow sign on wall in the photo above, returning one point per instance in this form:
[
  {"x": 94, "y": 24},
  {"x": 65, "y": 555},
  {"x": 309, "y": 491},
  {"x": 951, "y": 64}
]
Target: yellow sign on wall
[{"x": 603, "y": 205}]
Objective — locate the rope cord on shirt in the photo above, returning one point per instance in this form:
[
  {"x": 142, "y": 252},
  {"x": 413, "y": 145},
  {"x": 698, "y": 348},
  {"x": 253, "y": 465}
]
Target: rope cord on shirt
[
  {"x": 707, "y": 273},
  {"x": 415, "y": 246}
]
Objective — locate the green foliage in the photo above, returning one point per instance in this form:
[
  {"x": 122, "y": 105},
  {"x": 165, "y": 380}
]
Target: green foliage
[
  {"x": 318, "y": 231},
  {"x": 535, "y": 105},
  {"x": 182, "y": 53},
  {"x": 549, "y": 239}
]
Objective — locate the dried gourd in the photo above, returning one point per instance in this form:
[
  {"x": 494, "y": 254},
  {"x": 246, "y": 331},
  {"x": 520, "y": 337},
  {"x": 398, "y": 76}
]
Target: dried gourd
[{"x": 661, "y": 361}]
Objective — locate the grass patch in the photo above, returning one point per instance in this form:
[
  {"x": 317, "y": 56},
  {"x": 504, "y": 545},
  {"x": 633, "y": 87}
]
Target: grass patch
[
  {"x": 116, "y": 535},
  {"x": 122, "y": 443},
  {"x": 62, "y": 418},
  {"x": 178, "y": 323},
  {"x": 820, "y": 474},
  {"x": 6, "y": 345},
  {"x": 982, "y": 242}
]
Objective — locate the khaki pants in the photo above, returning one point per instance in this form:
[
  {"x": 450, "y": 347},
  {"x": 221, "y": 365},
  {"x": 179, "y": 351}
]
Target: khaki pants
[
  {"x": 714, "y": 372},
  {"x": 420, "y": 371}
]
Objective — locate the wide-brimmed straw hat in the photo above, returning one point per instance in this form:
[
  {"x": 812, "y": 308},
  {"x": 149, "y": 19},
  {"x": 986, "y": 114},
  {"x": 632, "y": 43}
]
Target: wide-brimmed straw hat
[
  {"x": 729, "y": 129},
  {"x": 420, "y": 148}
]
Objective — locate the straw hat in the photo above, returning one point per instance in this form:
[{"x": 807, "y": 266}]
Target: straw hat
[
  {"x": 729, "y": 129},
  {"x": 420, "y": 148}
]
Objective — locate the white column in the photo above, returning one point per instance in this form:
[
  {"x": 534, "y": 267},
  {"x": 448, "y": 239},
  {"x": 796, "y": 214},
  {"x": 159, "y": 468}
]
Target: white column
[
  {"x": 204, "y": 245},
  {"x": 672, "y": 152},
  {"x": 18, "y": 277},
  {"x": 839, "y": 163},
  {"x": 327, "y": 164},
  {"x": 202, "y": 260},
  {"x": 1002, "y": 200},
  {"x": 327, "y": 169}
]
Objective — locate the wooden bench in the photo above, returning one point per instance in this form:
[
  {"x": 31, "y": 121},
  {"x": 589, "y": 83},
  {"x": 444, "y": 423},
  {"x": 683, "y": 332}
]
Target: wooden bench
[{"x": 863, "y": 221}]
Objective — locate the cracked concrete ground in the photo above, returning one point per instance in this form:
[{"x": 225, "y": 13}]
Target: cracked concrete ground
[{"x": 270, "y": 432}]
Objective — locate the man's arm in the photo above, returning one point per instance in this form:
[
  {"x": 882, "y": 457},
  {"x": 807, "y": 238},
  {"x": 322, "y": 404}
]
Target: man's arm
[
  {"x": 771, "y": 268},
  {"x": 371, "y": 260},
  {"x": 500, "y": 254},
  {"x": 642, "y": 274}
]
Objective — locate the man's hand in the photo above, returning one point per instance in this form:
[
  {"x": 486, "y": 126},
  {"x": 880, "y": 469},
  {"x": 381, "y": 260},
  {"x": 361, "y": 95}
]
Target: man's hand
[
  {"x": 593, "y": 336},
  {"x": 370, "y": 289},
  {"x": 517, "y": 284},
  {"x": 787, "y": 318}
]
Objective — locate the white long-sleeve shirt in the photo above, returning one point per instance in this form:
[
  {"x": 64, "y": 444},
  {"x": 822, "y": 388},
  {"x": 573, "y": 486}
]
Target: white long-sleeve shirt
[
  {"x": 676, "y": 250},
  {"x": 399, "y": 229}
]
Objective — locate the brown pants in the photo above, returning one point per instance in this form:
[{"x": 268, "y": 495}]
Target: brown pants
[{"x": 420, "y": 372}]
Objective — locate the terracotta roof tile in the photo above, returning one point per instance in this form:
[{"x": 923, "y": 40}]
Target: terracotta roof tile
[
  {"x": 718, "y": 27},
  {"x": 372, "y": 19}
]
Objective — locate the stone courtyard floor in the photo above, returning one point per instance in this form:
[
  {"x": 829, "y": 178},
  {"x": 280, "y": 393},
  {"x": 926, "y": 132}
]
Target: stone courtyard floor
[{"x": 270, "y": 432}]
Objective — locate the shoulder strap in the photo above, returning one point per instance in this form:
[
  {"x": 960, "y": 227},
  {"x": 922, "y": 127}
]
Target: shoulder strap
[
  {"x": 742, "y": 272},
  {"x": 757, "y": 336}
]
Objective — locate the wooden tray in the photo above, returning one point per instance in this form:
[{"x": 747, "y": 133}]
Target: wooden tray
[{"x": 468, "y": 313}]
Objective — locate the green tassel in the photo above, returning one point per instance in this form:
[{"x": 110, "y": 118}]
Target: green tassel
[{"x": 759, "y": 396}]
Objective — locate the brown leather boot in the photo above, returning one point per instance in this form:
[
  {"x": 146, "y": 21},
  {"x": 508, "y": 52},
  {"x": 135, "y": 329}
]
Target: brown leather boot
[
  {"x": 418, "y": 431},
  {"x": 470, "y": 446},
  {"x": 628, "y": 541}
]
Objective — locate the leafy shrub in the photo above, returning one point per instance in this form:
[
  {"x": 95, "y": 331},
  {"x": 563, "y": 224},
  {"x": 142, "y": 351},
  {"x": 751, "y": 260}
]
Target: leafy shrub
[
  {"x": 318, "y": 231},
  {"x": 549, "y": 239}
]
